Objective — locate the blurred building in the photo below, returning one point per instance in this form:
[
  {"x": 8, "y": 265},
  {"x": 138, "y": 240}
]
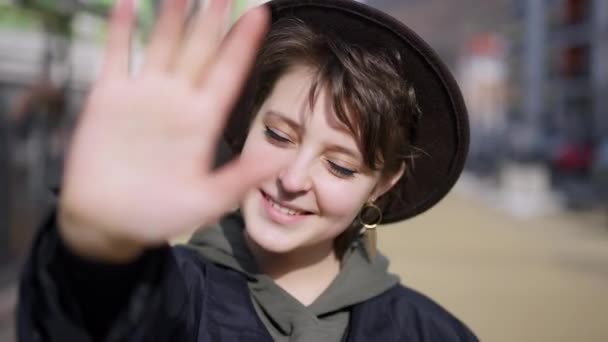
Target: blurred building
[
  {"x": 559, "y": 74},
  {"x": 482, "y": 74},
  {"x": 558, "y": 84}
]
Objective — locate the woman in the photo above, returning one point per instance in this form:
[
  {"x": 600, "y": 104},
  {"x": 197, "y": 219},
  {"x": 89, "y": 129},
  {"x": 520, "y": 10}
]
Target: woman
[{"x": 346, "y": 121}]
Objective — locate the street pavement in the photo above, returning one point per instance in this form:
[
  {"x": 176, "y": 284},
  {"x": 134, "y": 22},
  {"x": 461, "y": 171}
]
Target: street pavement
[{"x": 536, "y": 279}]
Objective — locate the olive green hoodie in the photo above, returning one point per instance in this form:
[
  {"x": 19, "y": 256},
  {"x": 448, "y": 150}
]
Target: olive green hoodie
[{"x": 326, "y": 319}]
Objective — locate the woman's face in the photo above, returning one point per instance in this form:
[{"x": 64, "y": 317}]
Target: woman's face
[{"x": 322, "y": 189}]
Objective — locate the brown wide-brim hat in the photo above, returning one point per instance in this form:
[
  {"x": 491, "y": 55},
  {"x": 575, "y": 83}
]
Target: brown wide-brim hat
[{"x": 443, "y": 129}]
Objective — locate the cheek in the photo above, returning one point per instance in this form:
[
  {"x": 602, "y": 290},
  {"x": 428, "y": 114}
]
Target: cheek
[
  {"x": 257, "y": 143},
  {"x": 340, "y": 199}
]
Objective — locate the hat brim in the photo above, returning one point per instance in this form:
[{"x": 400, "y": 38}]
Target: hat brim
[{"x": 443, "y": 130}]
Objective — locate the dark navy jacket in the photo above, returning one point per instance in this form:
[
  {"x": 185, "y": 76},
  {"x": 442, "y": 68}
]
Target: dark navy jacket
[{"x": 173, "y": 294}]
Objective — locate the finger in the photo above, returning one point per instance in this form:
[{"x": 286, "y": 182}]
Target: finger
[
  {"x": 116, "y": 60},
  {"x": 231, "y": 67},
  {"x": 166, "y": 36},
  {"x": 202, "y": 44},
  {"x": 231, "y": 182}
]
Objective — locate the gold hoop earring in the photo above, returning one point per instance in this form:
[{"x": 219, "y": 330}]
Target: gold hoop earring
[{"x": 373, "y": 212}]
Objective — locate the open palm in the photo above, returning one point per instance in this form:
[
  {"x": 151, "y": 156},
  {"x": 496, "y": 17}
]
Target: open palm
[{"x": 140, "y": 164}]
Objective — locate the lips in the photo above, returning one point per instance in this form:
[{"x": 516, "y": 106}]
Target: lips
[{"x": 283, "y": 208}]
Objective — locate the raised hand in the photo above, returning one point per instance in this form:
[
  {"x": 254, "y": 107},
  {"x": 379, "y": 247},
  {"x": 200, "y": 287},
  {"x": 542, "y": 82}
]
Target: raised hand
[{"x": 139, "y": 169}]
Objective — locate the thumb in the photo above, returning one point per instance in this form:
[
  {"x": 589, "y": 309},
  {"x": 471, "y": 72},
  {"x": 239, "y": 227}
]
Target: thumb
[{"x": 228, "y": 185}]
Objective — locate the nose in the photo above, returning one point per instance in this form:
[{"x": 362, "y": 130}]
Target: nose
[{"x": 295, "y": 179}]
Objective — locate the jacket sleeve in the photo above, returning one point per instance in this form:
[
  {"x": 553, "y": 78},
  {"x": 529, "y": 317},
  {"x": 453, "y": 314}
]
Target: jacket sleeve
[{"x": 63, "y": 297}]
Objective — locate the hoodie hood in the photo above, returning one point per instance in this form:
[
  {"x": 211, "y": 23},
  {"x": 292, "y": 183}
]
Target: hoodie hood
[{"x": 285, "y": 317}]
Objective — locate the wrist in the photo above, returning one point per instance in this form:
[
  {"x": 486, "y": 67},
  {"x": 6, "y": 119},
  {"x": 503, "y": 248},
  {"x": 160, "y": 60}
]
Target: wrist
[{"x": 95, "y": 244}]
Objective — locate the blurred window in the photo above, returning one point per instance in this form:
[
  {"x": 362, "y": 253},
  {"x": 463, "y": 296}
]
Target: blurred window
[
  {"x": 575, "y": 61},
  {"x": 576, "y": 11}
]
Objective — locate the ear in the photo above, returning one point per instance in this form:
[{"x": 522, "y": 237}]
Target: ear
[{"x": 388, "y": 182}]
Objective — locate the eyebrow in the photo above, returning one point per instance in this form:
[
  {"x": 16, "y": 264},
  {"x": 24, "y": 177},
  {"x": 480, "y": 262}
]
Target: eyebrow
[
  {"x": 298, "y": 127},
  {"x": 289, "y": 121},
  {"x": 345, "y": 150}
]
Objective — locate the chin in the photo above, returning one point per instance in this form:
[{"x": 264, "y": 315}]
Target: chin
[
  {"x": 271, "y": 236},
  {"x": 271, "y": 243}
]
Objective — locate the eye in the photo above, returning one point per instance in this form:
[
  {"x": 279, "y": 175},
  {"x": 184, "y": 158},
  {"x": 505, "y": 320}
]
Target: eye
[
  {"x": 340, "y": 171},
  {"x": 273, "y": 135}
]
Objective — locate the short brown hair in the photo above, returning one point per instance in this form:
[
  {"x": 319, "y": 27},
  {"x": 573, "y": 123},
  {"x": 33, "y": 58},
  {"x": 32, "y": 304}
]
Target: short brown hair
[{"x": 369, "y": 94}]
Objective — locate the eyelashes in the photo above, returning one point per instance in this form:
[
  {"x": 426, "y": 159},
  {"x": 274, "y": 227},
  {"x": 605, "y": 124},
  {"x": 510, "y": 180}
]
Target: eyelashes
[
  {"x": 335, "y": 169},
  {"x": 340, "y": 170},
  {"x": 272, "y": 135}
]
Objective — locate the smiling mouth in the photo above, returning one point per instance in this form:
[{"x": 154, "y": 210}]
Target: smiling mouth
[{"x": 283, "y": 209}]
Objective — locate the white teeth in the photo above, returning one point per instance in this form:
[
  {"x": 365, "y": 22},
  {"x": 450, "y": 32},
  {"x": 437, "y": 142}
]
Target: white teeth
[{"x": 282, "y": 209}]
